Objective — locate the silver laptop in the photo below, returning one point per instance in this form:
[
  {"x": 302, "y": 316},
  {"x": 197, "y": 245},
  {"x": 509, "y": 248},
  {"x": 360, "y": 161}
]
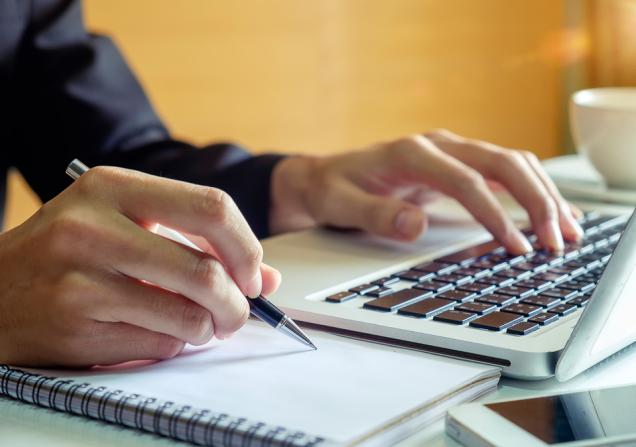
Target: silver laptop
[{"x": 457, "y": 293}]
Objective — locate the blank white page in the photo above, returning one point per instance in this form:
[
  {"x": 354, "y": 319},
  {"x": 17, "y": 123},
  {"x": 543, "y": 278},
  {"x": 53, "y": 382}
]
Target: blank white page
[{"x": 341, "y": 391}]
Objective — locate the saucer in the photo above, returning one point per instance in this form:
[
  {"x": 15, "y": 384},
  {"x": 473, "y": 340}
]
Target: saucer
[{"x": 576, "y": 178}]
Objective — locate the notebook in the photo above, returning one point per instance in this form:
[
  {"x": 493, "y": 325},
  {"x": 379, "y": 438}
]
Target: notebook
[{"x": 260, "y": 388}]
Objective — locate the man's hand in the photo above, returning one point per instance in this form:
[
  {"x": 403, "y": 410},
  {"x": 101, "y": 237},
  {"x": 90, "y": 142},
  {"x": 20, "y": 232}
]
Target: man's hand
[
  {"x": 381, "y": 189},
  {"x": 84, "y": 282}
]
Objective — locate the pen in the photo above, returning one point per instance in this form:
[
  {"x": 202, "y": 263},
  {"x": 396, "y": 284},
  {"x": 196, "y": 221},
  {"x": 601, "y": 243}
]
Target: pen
[{"x": 259, "y": 307}]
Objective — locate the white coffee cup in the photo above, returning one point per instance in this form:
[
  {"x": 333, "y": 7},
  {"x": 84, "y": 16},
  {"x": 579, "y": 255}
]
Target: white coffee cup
[{"x": 603, "y": 122}]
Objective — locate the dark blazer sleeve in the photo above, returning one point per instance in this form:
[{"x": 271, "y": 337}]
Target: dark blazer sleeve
[{"x": 77, "y": 98}]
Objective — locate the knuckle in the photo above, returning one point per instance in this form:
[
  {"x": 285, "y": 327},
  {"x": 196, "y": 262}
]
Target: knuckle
[
  {"x": 198, "y": 323},
  {"x": 255, "y": 255},
  {"x": 403, "y": 149},
  {"x": 207, "y": 272},
  {"x": 470, "y": 180},
  {"x": 70, "y": 286},
  {"x": 216, "y": 205},
  {"x": 98, "y": 177},
  {"x": 236, "y": 322},
  {"x": 510, "y": 158},
  {"x": 528, "y": 155},
  {"x": 66, "y": 229},
  {"x": 403, "y": 144},
  {"x": 168, "y": 347},
  {"x": 547, "y": 209},
  {"x": 440, "y": 133}
]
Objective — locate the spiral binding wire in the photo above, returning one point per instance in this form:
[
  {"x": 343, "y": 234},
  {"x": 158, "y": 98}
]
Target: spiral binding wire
[{"x": 165, "y": 418}]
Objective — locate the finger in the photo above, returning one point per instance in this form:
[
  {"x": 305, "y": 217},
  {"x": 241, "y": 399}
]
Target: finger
[
  {"x": 431, "y": 166},
  {"x": 567, "y": 213},
  {"x": 511, "y": 169},
  {"x": 271, "y": 279},
  {"x": 349, "y": 206},
  {"x": 271, "y": 276},
  {"x": 140, "y": 254},
  {"x": 195, "y": 209},
  {"x": 127, "y": 300},
  {"x": 121, "y": 342},
  {"x": 576, "y": 212},
  {"x": 549, "y": 233}
]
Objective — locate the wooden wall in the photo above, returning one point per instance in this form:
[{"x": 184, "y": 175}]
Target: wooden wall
[{"x": 323, "y": 76}]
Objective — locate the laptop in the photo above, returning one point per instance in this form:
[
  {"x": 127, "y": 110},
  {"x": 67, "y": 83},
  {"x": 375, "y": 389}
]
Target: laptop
[{"x": 458, "y": 293}]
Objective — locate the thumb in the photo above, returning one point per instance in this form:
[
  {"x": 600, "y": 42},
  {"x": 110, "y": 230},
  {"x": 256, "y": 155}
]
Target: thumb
[
  {"x": 271, "y": 279},
  {"x": 381, "y": 215}
]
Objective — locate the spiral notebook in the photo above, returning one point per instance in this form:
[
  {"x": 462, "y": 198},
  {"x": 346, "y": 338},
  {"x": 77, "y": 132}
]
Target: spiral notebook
[{"x": 260, "y": 388}]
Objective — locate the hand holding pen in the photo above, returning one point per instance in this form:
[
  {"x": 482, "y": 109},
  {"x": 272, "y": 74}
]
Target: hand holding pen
[
  {"x": 87, "y": 284},
  {"x": 259, "y": 306}
]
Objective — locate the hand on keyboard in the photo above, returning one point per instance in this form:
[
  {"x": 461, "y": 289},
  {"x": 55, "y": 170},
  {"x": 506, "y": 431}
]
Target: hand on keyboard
[{"x": 381, "y": 189}]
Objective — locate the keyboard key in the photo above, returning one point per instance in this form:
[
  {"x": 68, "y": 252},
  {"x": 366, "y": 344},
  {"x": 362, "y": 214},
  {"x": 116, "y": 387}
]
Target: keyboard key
[
  {"x": 477, "y": 288},
  {"x": 454, "y": 279},
  {"x": 543, "y": 301},
  {"x": 382, "y": 291},
  {"x": 364, "y": 288},
  {"x": 514, "y": 274},
  {"x": 552, "y": 277},
  {"x": 468, "y": 255},
  {"x": 474, "y": 272},
  {"x": 512, "y": 259},
  {"x": 562, "y": 294},
  {"x": 518, "y": 292},
  {"x": 434, "y": 286},
  {"x": 580, "y": 301},
  {"x": 523, "y": 328},
  {"x": 398, "y": 299},
  {"x": 525, "y": 266},
  {"x": 603, "y": 222},
  {"x": 544, "y": 318},
  {"x": 526, "y": 310},
  {"x": 543, "y": 257},
  {"x": 498, "y": 300},
  {"x": 589, "y": 262},
  {"x": 414, "y": 275},
  {"x": 532, "y": 283},
  {"x": 476, "y": 308},
  {"x": 582, "y": 286},
  {"x": 387, "y": 280},
  {"x": 496, "y": 321},
  {"x": 563, "y": 309},
  {"x": 435, "y": 267},
  {"x": 455, "y": 317},
  {"x": 571, "y": 250},
  {"x": 341, "y": 297},
  {"x": 497, "y": 281},
  {"x": 426, "y": 308},
  {"x": 492, "y": 265},
  {"x": 457, "y": 295}
]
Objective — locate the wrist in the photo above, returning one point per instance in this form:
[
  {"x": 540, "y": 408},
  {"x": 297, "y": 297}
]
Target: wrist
[{"x": 291, "y": 180}]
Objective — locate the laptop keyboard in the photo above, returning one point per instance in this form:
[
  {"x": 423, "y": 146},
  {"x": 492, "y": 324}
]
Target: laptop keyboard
[{"x": 483, "y": 287}]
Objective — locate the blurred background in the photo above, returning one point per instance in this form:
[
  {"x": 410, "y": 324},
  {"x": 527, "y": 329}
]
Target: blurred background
[{"x": 330, "y": 75}]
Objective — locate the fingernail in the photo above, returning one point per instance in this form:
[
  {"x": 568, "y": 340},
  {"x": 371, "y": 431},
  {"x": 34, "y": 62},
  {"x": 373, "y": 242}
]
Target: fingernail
[
  {"x": 553, "y": 234},
  {"x": 255, "y": 286},
  {"x": 409, "y": 223},
  {"x": 578, "y": 230},
  {"x": 522, "y": 243}
]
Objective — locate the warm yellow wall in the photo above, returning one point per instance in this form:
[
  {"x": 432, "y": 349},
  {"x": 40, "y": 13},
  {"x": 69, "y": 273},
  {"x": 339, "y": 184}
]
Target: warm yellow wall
[
  {"x": 326, "y": 75},
  {"x": 613, "y": 25}
]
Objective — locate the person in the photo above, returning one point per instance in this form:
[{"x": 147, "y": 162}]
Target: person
[{"x": 85, "y": 282}]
